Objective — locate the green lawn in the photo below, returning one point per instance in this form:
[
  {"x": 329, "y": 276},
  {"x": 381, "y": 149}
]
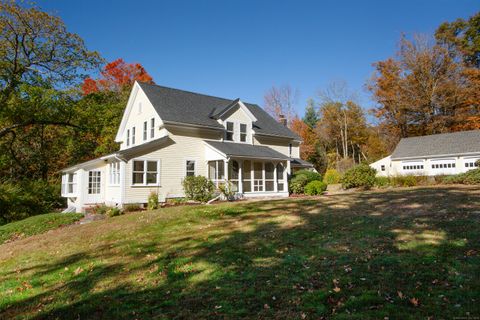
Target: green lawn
[
  {"x": 401, "y": 254},
  {"x": 36, "y": 225}
]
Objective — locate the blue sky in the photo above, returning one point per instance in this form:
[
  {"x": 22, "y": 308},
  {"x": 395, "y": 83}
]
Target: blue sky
[{"x": 241, "y": 48}]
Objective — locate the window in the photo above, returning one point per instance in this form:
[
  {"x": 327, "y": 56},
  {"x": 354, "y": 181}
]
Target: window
[
  {"x": 243, "y": 132},
  {"x": 280, "y": 177},
  {"x": 152, "y": 128},
  {"x": 128, "y": 137},
  {"x": 69, "y": 183},
  {"x": 471, "y": 164},
  {"x": 233, "y": 174},
  {"x": 229, "y": 134},
  {"x": 94, "y": 181},
  {"x": 216, "y": 171},
  {"x": 133, "y": 135},
  {"x": 145, "y": 125},
  {"x": 114, "y": 170},
  {"x": 190, "y": 168},
  {"x": 269, "y": 176},
  {"x": 257, "y": 176},
  {"x": 145, "y": 172},
  {"x": 382, "y": 167},
  {"x": 247, "y": 176},
  {"x": 290, "y": 150}
]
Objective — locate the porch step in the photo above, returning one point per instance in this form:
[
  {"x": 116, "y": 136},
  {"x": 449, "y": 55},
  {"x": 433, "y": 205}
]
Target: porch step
[{"x": 70, "y": 209}]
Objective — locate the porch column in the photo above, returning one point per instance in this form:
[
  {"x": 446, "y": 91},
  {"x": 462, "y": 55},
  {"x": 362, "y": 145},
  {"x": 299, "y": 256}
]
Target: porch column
[
  {"x": 240, "y": 176},
  {"x": 225, "y": 168},
  {"x": 275, "y": 185},
  {"x": 285, "y": 175}
]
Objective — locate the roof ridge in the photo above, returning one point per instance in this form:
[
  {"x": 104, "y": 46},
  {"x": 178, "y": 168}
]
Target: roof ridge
[
  {"x": 192, "y": 92},
  {"x": 440, "y": 134}
]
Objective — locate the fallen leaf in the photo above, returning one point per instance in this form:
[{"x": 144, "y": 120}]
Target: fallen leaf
[
  {"x": 415, "y": 302},
  {"x": 400, "y": 294},
  {"x": 78, "y": 271},
  {"x": 337, "y": 289}
]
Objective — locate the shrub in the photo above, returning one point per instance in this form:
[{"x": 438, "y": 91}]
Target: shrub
[
  {"x": 361, "y": 175},
  {"x": 382, "y": 182},
  {"x": 227, "y": 190},
  {"x": 100, "y": 209},
  {"x": 131, "y": 207},
  {"x": 332, "y": 176},
  {"x": 315, "y": 187},
  {"x": 114, "y": 211},
  {"x": 301, "y": 178},
  {"x": 409, "y": 181},
  {"x": 152, "y": 201},
  {"x": 198, "y": 188},
  {"x": 20, "y": 200},
  {"x": 469, "y": 177},
  {"x": 298, "y": 183}
]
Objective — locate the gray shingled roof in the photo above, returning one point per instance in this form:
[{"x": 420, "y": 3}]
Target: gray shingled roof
[
  {"x": 180, "y": 106},
  {"x": 300, "y": 163},
  {"x": 438, "y": 144},
  {"x": 231, "y": 149}
]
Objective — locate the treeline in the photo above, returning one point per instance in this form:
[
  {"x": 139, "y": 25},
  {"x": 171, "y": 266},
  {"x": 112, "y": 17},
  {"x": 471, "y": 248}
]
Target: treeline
[
  {"x": 431, "y": 85},
  {"x": 52, "y": 114}
]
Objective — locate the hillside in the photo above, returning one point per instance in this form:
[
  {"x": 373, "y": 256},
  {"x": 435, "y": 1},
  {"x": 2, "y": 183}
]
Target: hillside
[{"x": 403, "y": 254}]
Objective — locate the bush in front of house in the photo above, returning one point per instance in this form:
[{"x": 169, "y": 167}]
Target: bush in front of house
[
  {"x": 131, "y": 207},
  {"x": 301, "y": 178},
  {"x": 469, "y": 177},
  {"x": 332, "y": 176},
  {"x": 152, "y": 201},
  {"x": 114, "y": 211},
  {"x": 360, "y": 176},
  {"x": 316, "y": 187},
  {"x": 382, "y": 182},
  {"x": 198, "y": 188},
  {"x": 20, "y": 200}
]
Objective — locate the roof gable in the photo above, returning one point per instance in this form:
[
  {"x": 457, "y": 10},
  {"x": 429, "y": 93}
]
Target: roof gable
[
  {"x": 184, "y": 107},
  {"x": 463, "y": 142}
]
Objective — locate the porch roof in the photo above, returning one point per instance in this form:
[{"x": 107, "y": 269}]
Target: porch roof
[
  {"x": 299, "y": 163},
  {"x": 243, "y": 150}
]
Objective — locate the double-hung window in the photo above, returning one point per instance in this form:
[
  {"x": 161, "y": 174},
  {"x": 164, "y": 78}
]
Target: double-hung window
[
  {"x": 189, "y": 168},
  {"x": 133, "y": 135},
  {"x": 216, "y": 172},
  {"x": 152, "y": 128},
  {"x": 243, "y": 132},
  {"x": 145, "y": 172},
  {"x": 94, "y": 182},
  {"x": 230, "y": 131},
  {"x": 128, "y": 137},
  {"x": 114, "y": 170},
  {"x": 145, "y": 132}
]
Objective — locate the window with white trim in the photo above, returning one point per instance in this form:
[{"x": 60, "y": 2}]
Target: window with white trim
[
  {"x": 243, "y": 132},
  {"x": 230, "y": 131},
  {"x": 216, "y": 172},
  {"x": 133, "y": 135},
  {"x": 290, "y": 150},
  {"x": 189, "y": 168},
  {"x": 145, "y": 172},
  {"x": 269, "y": 176},
  {"x": 114, "y": 172},
  {"x": 471, "y": 163},
  {"x": 128, "y": 137},
  {"x": 280, "y": 177},
  {"x": 94, "y": 182},
  {"x": 145, "y": 130},
  {"x": 69, "y": 183},
  {"x": 257, "y": 176},
  {"x": 382, "y": 167},
  {"x": 152, "y": 128}
]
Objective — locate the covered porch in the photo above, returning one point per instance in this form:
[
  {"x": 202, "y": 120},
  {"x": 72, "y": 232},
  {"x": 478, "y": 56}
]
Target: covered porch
[{"x": 253, "y": 171}]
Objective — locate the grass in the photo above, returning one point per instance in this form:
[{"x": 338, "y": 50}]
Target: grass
[
  {"x": 402, "y": 254},
  {"x": 36, "y": 225}
]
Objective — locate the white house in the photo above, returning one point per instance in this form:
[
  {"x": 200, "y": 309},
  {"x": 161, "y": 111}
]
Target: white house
[
  {"x": 438, "y": 154},
  {"x": 167, "y": 134}
]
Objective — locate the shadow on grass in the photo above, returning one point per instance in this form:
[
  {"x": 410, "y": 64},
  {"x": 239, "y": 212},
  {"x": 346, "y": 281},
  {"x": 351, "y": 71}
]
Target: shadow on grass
[{"x": 362, "y": 255}]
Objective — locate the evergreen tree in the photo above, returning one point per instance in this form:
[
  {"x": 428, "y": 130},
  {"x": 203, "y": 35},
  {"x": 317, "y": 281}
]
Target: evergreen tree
[{"x": 311, "y": 117}]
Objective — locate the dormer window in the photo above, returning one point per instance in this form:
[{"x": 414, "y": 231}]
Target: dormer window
[
  {"x": 243, "y": 132},
  {"x": 230, "y": 131}
]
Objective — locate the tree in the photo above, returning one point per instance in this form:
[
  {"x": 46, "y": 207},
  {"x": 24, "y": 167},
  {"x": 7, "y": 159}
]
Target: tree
[
  {"x": 307, "y": 148},
  {"x": 117, "y": 76},
  {"x": 280, "y": 102},
  {"x": 311, "y": 117},
  {"x": 462, "y": 37},
  {"x": 423, "y": 91},
  {"x": 40, "y": 63}
]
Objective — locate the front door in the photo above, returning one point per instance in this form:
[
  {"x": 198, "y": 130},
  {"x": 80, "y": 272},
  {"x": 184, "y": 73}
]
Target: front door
[{"x": 94, "y": 187}]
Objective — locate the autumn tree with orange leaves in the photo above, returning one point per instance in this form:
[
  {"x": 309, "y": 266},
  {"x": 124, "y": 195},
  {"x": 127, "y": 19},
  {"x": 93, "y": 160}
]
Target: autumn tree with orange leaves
[{"x": 117, "y": 76}]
